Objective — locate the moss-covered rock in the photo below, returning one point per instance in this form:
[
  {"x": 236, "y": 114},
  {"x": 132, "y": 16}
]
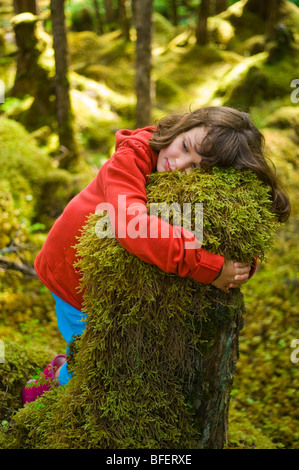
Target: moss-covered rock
[
  {"x": 30, "y": 171},
  {"x": 164, "y": 31},
  {"x": 256, "y": 80},
  {"x": 23, "y": 360},
  {"x": 135, "y": 364},
  {"x": 247, "y": 23},
  {"x": 221, "y": 31},
  {"x": 285, "y": 117}
]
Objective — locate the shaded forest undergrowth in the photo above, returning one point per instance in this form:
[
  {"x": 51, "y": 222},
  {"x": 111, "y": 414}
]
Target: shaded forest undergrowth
[{"x": 242, "y": 70}]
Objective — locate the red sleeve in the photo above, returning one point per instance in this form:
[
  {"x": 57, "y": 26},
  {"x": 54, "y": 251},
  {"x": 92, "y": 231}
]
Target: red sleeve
[
  {"x": 125, "y": 181},
  {"x": 253, "y": 268}
]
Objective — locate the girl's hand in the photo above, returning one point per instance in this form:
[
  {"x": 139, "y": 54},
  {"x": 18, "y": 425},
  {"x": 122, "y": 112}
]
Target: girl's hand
[{"x": 233, "y": 274}]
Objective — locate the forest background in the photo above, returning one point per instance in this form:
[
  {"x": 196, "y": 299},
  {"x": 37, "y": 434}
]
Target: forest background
[{"x": 123, "y": 71}]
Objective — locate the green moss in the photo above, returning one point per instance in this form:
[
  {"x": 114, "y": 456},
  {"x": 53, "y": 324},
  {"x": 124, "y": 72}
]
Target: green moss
[
  {"x": 30, "y": 173},
  {"x": 221, "y": 30},
  {"x": 266, "y": 381},
  {"x": 24, "y": 18},
  {"x": 135, "y": 361},
  {"x": 9, "y": 221},
  {"x": 283, "y": 150},
  {"x": 237, "y": 82},
  {"x": 94, "y": 122},
  {"x": 164, "y": 31},
  {"x": 87, "y": 47},
  {"x": 245, "y": 23},
  {"x": 284, "y": 118},
  {"x": 22, "y": 361}
]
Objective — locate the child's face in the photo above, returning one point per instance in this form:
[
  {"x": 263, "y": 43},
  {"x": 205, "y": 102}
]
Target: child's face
[{"x": 183, "y": 152}]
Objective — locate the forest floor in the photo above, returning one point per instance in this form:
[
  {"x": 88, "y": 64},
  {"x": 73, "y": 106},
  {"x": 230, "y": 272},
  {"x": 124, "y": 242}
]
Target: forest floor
[{"x": 228, "y": 71}]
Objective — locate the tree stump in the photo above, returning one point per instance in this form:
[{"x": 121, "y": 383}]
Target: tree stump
[
  {"x": 32, "y": 76},
  {"x": 155, "y": 364},
  {"x": 214, "y": 374}
]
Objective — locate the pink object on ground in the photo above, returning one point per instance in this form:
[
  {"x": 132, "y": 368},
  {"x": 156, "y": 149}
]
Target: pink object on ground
[{"x": 45, "y": 382}]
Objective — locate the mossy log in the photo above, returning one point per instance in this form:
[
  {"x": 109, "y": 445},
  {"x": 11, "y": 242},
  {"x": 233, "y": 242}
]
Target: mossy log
[{"x": 155, "y": 365}]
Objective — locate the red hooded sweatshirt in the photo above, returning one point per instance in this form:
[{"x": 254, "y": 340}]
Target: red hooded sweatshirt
[{"x": 124, "y": 174}]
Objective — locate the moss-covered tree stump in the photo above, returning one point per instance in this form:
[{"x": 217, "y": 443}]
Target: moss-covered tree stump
[
  {"x": 34, "y": 73},
  {"x": 155, "y": 365}
]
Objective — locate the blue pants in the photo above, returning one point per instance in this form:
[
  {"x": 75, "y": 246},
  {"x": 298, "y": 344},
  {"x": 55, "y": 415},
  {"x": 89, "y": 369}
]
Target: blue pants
[{"x": 71, "y": 322}]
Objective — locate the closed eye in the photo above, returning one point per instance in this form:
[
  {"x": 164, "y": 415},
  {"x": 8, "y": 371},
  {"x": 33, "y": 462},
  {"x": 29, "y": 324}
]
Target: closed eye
[
  {"x": 185, "y": 146},
  {"x": 197, "y": 166}
]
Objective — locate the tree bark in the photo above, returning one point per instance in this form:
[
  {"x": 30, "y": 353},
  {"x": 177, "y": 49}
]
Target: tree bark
[
  {"x": 143, "y": 23},
  {"x": 62, "y": 87},
  {"x": 220, "y": 5},
  {"x": 202, "y": 30},
  {"x": 99, "y": 27},
  {"x": 174, "y": 12},
  {"x": 22, "y": 6},
  {"x": 31, "y": 76},
  {"x": 123, "y": 19},
  {"x": 268, "y": 11},
  {"x": 109, "y": 11},
  {"x": 214, "y": 374}
]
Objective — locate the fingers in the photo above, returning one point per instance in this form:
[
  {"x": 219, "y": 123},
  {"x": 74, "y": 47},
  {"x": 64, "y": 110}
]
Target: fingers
[
  {"x": 241, "y": 277},
  {"x": 242, "y": 268},
  {"x": 241, "y": 265},
  {"x": 233, "y": 275},
  {"x": 232, "y": 285},
  {"x": 243, "y": 271}
]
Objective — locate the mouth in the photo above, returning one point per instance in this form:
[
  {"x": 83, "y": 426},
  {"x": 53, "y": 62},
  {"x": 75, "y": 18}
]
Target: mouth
[{"x": 167, "y": 166}]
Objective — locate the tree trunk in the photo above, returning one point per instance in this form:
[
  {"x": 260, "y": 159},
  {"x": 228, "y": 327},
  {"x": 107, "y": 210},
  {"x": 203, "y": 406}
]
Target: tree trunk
[
  {"x": 268, "y": 11},
  {"x": 174, "y": 12},
  {"x": 109, "y": 11},
  {"x": 27, "y": 57},
  {"x": 214, "y": 374},
  {"x": 123, "y": 19},
  {"x": 220, "y": 5},
  {"x": 202, "y": 30},
  {"x": 32, "y": 77},
  {"x": 63, "y": 105},
  {"x": 99, "y": 27},
  {"x": 143, "y": 23},
  {"x": 21, "y": 6}
]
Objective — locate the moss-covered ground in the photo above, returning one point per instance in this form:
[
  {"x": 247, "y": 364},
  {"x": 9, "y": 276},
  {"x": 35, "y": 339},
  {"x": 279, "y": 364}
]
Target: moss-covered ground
[{"x": 239, "y": 68}]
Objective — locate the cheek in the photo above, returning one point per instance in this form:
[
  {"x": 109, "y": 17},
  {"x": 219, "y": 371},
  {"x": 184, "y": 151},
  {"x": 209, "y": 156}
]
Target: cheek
[
  {"x": 160, "y": 162},
  {"x": 161, "y": 159}
]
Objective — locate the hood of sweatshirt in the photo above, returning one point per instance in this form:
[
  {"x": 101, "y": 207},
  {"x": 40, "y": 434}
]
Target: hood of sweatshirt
[{"x": 141, "y": 135}]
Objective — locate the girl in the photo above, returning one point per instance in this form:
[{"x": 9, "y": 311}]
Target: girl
[{"x": 206, "y": 137}]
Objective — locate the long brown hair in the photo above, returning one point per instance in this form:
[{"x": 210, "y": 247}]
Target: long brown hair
[{"x": 231, "y": 141}]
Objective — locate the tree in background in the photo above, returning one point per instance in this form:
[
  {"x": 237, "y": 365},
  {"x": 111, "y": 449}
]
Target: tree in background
[
  {"x": 201, "y": 29},
  {"x": 124, "y": 19},
  {"x": 62, "y": 86},
  {"x": 142, "y": 10},
  {"x": 219, "y": 6},
  {"x": 268, "y": 11},
  {"x": 21, "y": 6},
  {"x": 32, "y": 77}
]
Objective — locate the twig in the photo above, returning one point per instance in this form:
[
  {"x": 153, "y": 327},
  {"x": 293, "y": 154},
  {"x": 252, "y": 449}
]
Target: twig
[
  {"x": 10, "y": 249},
  {"x": 28, "y": 271}
]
